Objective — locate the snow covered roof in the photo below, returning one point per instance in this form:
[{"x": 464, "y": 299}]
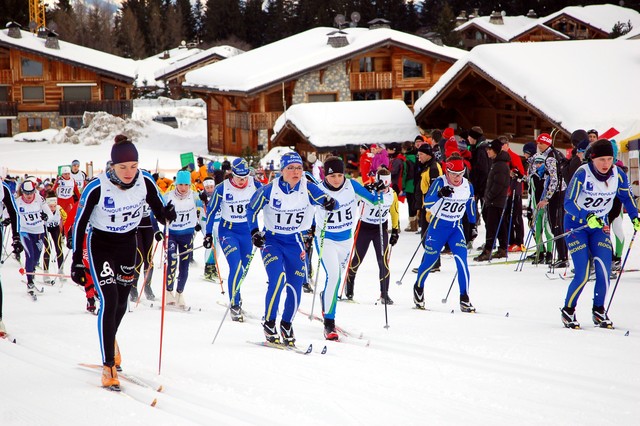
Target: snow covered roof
[
  {"x": 83, "y": 57},
  {"x": 148, "y": 67},
  {"x": 563, "y": 80},
  {"x": 600, "y": 16},
  {"x": 336, "y": 124},
  {"x": 293, "y": 56},
  {"x": 221, "y": 52},
  {"x": 512, "y": 25}
]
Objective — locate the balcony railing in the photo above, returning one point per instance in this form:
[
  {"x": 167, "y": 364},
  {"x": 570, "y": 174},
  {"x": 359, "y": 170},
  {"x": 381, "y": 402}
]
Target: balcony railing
[
  {"x": 75, "y": 108},
  {"x": 8, "y": 109},
  {"x": 251, "y": 120},
  {"x": 6, "y": 77},
  {"x": 371, "y": 81}
]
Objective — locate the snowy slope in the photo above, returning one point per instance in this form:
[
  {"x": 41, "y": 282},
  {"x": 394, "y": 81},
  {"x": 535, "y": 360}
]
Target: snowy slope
[{"x": 428, "y": 367}]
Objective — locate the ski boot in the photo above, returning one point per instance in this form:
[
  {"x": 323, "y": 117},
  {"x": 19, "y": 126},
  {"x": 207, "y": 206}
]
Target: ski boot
[
  {"x": 236, "y": 313},
  {"x": 483, "y": 257},
  {"x": 569, "y": 317},
  {"x": 385, "y": 299},
  {"x": 133, "y": 293},
  {"x": 418, "y": 296},
  {"x": 3, "y": 330},
  {"x": 171, "y": 298},
  {"x": 600, "y": 317},
  {"x": 286, "y": 331},
  {"x": 149, "y": 293},
  {"x": 270, "y": 333},
  {"x": 210, "y": 272},
  {"x": 180, "y": 301},
  {"x": 110, "y": 378},
  {"x": 465, "y": 304},
  {"x": 330, "y": 329}
]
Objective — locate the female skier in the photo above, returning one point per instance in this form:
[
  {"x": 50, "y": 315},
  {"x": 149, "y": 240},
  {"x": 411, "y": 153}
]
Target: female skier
[{"x": 112, "y": 205}]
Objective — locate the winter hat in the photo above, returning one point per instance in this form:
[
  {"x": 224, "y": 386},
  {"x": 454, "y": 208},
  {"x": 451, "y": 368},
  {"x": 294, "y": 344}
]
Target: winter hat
[
  {"x": 448, "y": 132},
  {"x": 582, "y": 145},
  {"x": 601, "y": 148},
  {"x": 381, "y": 146},
  {"x": 539, "y": 158},
  {"x": 123, "y": 150},
  {"x": 592, "y": 131},
  {"x": 27, "y": 187},
  {"x": 475, "y": 134},
  {"x": 426, "y": 149},
  {"x": 578, "y": 136},
  {"x": 208, "y": 182},
  {"x": 183, "y": 178},
  {"x": 240, "y": 167},
  {"x": 290, "y": 158},
  {"x": 52, "y": 201},
  {"x": 495, "y": 145},
  {"x": 65, "y": 169},
  {"x": 455, "y": 165},
  {"x": 451, "y": 146},
  {"x": 544, "y": 138},
  {"x": 75, "y": 163},
  {"x": 394, "y": 146},
  {"x": 385, "y": 178},
  {"x": 529, "y": 148},
  {"x": 333, "y": 165},
  {"x": 364, "y": 146}
]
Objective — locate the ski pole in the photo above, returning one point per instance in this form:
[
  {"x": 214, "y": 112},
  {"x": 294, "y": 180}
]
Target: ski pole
[
  {"x": 315, "y": 277},
  {"x": 43, "y": 274},
  {"x": 235, "y": 291},
  {"x": 165, "y": 246},
  {"x": 176, "y": 255},
  {"x": 385, "y": 292},
  {"x": 450, "y": 287},
  {"x": 569, "y": 232},
  {"x": 399, "y": 282},
  {"x": 532, "y": 229},
  {"x": 513, "y": 199},
  {"x": 495, "y": 237},
  {"x": 624, "y": 262},
  {"x": 353, "y": 246},
  {"x": 215, "y": 261}
]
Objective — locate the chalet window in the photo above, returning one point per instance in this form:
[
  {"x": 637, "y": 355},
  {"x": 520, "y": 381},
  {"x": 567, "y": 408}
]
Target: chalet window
[
  {"x": 366, "y": 65},
  {"x": 366, "y": 96},
  {"x": 74, "y": 122},
  {"x": 322, "y": 97},
  {"x": 33, "y": 93},
  {"x": 108, "y": 92},
  {"x": 76, "y": 93},
  {"x": 4, "y": 128},
  {"x": 4, "y": 94},
  {"x": 31, "y": 68},
  {"x": 34, "y": 124},
  {"x": 412, "y": 69},
  {"x": 411, "y": 96}
]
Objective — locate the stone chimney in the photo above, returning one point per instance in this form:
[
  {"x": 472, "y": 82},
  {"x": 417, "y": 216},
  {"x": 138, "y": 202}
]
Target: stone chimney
[
  {"x": 379, "y": 23},
  {"x": 496, "y": 18},
  {"x": 13, "y": 30},
  {"x": 476, "y": 13},
  {"x": 337, "y": 39},
  {"x": 52, "y": 40},
  {"x": 531, "y": 14},
  {"x": 462, "y": 18}
]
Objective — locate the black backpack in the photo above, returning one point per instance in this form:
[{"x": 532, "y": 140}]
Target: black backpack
[{"x": 562, "y": 165}]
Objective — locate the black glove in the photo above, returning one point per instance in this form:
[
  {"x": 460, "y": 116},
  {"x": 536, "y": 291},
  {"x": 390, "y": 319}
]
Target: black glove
[
  {"x": 158, "y": 236},
  {"x": 169, "y": 212},
  {"x": 329, "y": 203},
  {"x": 6, "y": 222},
  {"x": 257, "y": 238},
  {"x": 44, "y": 216},
  {"x": 69, "y": 241},
  {"x": 393, "y": 239},
  {"x": 52, "y": 226},
  {"x": 208, "y": 241},
  {"x": 379, "y": 186},
  {"x": 17, "y": 244},
  {"x": 445, "y": 191},
  {"x": 203, "y": 197},
  {"x": 529, "y": 213},
  {"x": 75, "y": 198},
  {"x": 370, "y": 187},
  {"x": 198, "y": 227},
  {"x": 517, "y": 175},
  {"x": 307, "y": 238},
  {"x": 78, "y": 273},
  {"x": 473, "y": 233}
]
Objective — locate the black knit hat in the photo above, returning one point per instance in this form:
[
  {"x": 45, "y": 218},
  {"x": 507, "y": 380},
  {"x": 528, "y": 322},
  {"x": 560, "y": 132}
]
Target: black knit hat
[
  {"x": 495, "y": 145},
  {"x": 601, "y": 148},
  {"x": 425, "y": 148},
  {"x": 333, "y": 165},
  {"x": 474, "y": 134},
  {"x": 578, "y": 136}
]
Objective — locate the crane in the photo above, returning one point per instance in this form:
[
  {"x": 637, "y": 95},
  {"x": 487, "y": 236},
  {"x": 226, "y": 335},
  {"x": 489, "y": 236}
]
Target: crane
[{"x": 36, "y": 15}]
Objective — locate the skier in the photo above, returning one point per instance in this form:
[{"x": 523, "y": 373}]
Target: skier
[
  {"x": 34, "y": 214},
  {"x": 66, "y": 189},
  {"x": 334, "y": 248},
  {"x": 588, "y": 201},
  {"x": 286, "y": 209},
  {"x": 538, "y": 181},
  {"x": 181, "y": 235},
  {"x": 373, "y": 218},
  {"x": 54, "y": 229},
  {"x": 7, "y": 201},
  {"x": 148, "y": 231},
  {"x": 230, "y": 199},
  {"x": 78, "y": 175},
  {"x": 112, "y": 204},
  {"x": 202, "y": 203},
  {"x": 448, "y": 199}
]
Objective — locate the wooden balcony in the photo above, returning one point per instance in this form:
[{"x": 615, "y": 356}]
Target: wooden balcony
[
  {"x": 8, "y": 109},
  {"x": 251, "y": 120},
  {"x": 6, "y": 77},
  {"x": 360, "y": 81},
  {"x": 77, "y": 108}
]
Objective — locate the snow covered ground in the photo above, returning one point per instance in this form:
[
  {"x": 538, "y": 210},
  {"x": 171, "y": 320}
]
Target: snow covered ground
[{"x": 511, "y": 363}]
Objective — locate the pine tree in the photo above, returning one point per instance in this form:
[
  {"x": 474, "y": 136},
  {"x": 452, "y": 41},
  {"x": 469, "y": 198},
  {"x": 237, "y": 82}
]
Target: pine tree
[
  {"x": 188, "y": 21},
  {"x": 128, "y": 35},
  {"x": 222, "y": 20},
  {"x": 255, "y": 20},
  {"x": 64, "y": 17},
  {"x": 445, "y": 25},
  {"x": 15, "y": 10}
]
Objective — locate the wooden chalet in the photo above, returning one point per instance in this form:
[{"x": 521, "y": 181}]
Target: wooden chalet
[
  {"x": 245, "y": 94},
  {"x": 512, "y": 89},
  {"x": 47, "y": 83}
]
